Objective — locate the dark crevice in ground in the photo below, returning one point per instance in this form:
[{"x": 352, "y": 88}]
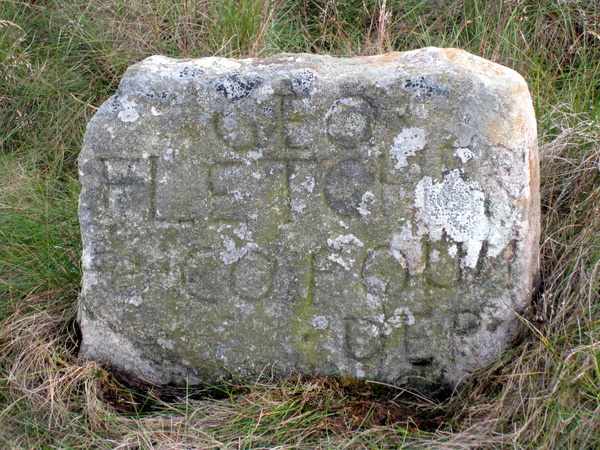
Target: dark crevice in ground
[{"x": 348, "y": 403}]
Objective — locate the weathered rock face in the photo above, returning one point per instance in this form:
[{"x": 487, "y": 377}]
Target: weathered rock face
[{"x": 371, "y": 217}]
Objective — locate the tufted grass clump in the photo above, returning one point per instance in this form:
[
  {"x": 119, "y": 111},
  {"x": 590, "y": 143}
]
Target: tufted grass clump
[{"x": 60, "y": 60}]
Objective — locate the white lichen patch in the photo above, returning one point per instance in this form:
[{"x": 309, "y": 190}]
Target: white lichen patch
[
  {"x": 402, "y": 316},
  {"x": 347, "y": 265},
  {"x": 232, "y": 253},
  {"x": 243, "y": 232},
  {"x": 309, "y": 184},
  {"x": 319, "y": 322},
  {"x": 129, "y": 112},
  {"x": 407, "y": 143},
  {"x": 453, "y": 209},
  {"x": 170, "y": 154},
  {"x": 345, "y": 242},
  {"x": 456, "y": 208},
  {"x": 216, "y": 63},
  {"x": 464, "y": 154},
  {"x": 376, "y": 283},
  {"x": 406, "y": 249},
  {"x": 374, "y": 301},
  {"x": 367, "y": 198},
  {"x": 263, "y": 94},
  {"x": 501, "y": 216},
  {"x": 347, "y": 101},
  {"x": 238, "y": 194},
  {"x": 254, "y": 156},
  {"x": 297, "y": 206},
  {"x": 419, "y": 110},
  {"x": 246, "y": 158},
  {"x": 87, "y": 259},
  {"x": 173, "y": 67},
  {"x": 135, "y": 299}
]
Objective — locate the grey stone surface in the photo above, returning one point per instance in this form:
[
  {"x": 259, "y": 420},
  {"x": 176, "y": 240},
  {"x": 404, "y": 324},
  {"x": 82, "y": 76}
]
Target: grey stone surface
[{"x": 373, "y": 217}]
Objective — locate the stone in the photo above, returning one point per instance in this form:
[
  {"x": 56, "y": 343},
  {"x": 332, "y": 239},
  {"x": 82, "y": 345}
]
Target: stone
[{"x": 372, "y": 217}]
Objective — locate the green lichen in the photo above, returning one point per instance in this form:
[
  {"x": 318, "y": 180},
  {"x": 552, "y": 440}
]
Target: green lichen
[{"x": 305, "y": 337}]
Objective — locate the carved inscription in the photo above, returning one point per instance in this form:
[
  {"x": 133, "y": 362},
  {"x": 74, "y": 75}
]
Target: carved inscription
[
  {"x": 325, "y": 217},
  {"x": 369, "y": 287}
]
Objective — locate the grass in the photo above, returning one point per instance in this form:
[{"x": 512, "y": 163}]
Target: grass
[{"x": 60, "y": 60}]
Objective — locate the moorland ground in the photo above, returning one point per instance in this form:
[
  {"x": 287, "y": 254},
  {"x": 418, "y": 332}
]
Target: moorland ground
[{"x": 60, "y": 60}]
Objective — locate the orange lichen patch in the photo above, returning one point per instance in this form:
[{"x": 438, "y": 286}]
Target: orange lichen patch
[
  {"x": 498, "y": 130},
  {"x": 388, "y": 58},
  {"x": 476, "y": 63},
  {"x": 503, "y": 129}
]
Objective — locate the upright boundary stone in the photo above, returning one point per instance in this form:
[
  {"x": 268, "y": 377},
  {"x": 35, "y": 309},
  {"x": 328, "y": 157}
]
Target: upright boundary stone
[{"x": 373, "y": 217}]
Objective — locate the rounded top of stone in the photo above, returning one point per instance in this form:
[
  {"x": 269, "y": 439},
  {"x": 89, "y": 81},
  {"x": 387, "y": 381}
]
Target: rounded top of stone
[{"x": 438, "y": 60}]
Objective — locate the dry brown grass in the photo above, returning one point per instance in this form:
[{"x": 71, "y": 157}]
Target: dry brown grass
[{"x": 544, "y": 390}]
